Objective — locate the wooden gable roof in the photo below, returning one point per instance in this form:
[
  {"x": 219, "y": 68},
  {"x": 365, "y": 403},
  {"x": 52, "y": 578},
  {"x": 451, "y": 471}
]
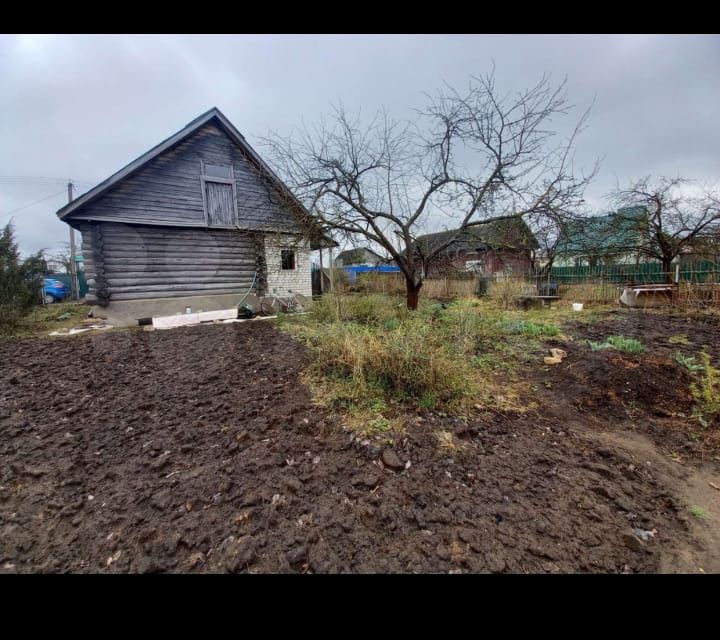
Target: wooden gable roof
[{"x": 213, "y": 115}]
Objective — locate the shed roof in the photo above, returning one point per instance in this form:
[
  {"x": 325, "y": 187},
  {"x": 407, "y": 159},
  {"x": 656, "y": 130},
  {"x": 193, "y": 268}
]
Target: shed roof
[
  {"x": 512, "y": 234},
  {"x": 356, "y": 251},
  {"x": 175, "y": 139}
]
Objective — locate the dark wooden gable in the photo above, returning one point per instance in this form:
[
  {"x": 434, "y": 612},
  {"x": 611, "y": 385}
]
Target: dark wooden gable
[{"x": 168, "y": 190}]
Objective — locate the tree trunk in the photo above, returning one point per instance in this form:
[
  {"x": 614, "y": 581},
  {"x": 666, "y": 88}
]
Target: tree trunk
[
  {"x": 412, "y": 291},
  {"x": 667, "y": 268}
]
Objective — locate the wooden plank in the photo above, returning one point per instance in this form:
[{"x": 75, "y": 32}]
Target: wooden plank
[
  {"x": 208, "y": 286},
  {"x": 190, "y": 237},
  {"x": 117, "y": 282},
  {"x": 181, "y": 247},
  {"x": 146, "y": 262},
  {"x": 188, "y": 255},
  {"x": 185, "y": 319},
  {"x": 113, "y": 229},
  {"x": 169, "y": 273},
  {"x": 147, "y": 295}
]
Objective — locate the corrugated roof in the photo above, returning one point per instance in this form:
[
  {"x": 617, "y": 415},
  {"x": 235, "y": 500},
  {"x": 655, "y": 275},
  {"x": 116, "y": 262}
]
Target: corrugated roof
[{"x": 614, "y": 232}]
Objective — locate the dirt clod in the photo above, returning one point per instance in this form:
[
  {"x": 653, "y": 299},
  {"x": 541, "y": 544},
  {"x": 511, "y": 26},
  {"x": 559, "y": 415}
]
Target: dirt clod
[{"x": 391, "y": 460}]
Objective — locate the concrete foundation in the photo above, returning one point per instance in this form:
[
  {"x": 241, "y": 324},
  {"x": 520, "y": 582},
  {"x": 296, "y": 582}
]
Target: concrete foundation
[{"x": 126, "y": 313}]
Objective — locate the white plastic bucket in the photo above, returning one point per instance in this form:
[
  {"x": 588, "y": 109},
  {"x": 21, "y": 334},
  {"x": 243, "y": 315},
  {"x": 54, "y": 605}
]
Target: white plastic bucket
[{"x": 577, "y": 306}]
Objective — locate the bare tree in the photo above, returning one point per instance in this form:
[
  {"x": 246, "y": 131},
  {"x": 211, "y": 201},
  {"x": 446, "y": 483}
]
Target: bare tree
[
  {"x": 60, "y": 261},
  {"x": 674, "y": 220},
  {"x": 551, "y": 229},
  {"x": 468, "y": 158}
]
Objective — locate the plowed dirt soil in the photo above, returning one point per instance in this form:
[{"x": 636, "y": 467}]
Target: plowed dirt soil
[{"x": 199, "y": 450}]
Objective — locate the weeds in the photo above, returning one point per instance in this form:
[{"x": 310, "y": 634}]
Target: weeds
[
  {"x": 621, "y": 343},
  {"x": 707, "y": 391},
  {"x": 409, "y": 362},
  {"x": 506, "y": 292},
  {"x": 45, "y": 318},
  {"x": 369, "y": 349},
  {"x": 688, "y": 362},
  {"x": 374, "y": 309},
  {"x": 596, "y": 346},
  {"x": 531, "y": 329},
  {"x": 427, "y": 401},
  {"x": 629, "y": 345},
  {"x": 372, "y": 358},
  {"x": 698, "y": 512}
]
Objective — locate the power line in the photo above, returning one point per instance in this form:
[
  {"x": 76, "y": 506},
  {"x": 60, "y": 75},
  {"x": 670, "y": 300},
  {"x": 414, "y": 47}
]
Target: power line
[
  {"x": 33, "y": 203},
  {"x": 32, "y": 177},
  {"x": 46, "y": 179}
]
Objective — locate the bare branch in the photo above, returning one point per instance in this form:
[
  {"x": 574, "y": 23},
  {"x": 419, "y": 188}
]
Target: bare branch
[{"x": 468, "y": 158}]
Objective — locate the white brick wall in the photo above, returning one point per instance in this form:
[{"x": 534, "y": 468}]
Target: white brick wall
[{"x": 279, "y": 281}]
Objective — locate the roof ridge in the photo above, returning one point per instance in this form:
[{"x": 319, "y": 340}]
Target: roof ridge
[{"x": 168, "y": 143}]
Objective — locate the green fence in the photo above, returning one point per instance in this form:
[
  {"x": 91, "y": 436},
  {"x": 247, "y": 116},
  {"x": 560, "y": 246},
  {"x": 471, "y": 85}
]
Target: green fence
[{"x": 646, "y": 272}]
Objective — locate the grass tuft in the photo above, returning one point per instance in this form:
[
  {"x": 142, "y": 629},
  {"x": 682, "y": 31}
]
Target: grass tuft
[
  {"x": 621, "y": 343},
  {"x": 698, "y": 512},
  {"x": 706, "y": 391},
  {"x": 531, "y": 329}
]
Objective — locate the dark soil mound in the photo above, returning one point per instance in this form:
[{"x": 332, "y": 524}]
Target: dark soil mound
[
  {"x": 622, "y": 385},
  {"x": 655, "y": 329}
]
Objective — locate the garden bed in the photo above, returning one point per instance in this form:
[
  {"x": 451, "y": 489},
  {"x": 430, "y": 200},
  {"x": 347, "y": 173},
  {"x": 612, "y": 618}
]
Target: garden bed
[{"x": 199, "y": 450}]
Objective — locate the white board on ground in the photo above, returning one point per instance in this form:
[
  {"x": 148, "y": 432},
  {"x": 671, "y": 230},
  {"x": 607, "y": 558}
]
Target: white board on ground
[{"x": 185, "y": 319}]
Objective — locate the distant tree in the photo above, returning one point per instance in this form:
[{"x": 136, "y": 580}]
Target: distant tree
[
  {"x": 60, "y": 261},
  {"x": 675, "y": 221},
  {"x": 550, "y": 229},
  {"x": 20, "y": 281},
  {"x": 469, "y": 158}
]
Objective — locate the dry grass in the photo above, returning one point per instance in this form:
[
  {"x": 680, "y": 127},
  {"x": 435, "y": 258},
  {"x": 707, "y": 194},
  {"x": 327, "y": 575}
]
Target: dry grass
[
  {"x": 506, "y": 292},
  {"x": 373, "y": 309},
  {"x": 591, "y": 292},
  {"x": 698, "y": 295},
  {"x": 384, "y": 283},
  {"x": 445, "y": 288},
  {"x": 394, "y": 284},
  {"x": 706, "y": 390},
  {"x": 373, "y": 360},
  {"x": 46, "y": 318},
  {"x": 408, "y": 362},
  {"x": 448, "y": 442}
]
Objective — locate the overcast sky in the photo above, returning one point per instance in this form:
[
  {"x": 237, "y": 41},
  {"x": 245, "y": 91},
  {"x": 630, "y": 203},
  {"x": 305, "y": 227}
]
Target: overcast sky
[{"x": 82, "y": 107}]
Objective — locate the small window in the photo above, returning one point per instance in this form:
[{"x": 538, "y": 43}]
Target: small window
[
  {"x": 287, "y": 257},
  {"x": 474, "y": 265},
  {"x": 217, "y": 171}
]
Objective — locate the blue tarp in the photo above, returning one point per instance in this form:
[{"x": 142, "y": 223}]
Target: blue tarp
[{"x": 354, "y": 269}]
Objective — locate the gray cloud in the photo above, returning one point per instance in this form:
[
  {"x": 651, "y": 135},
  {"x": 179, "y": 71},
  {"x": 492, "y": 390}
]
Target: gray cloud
[{"x": 81, "y": 107}]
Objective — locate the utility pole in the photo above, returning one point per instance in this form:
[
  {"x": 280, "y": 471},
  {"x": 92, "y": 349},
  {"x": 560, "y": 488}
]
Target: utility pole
[
  {"x": 331, "y": 265},
  {"x": 73, "y": 264}
]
